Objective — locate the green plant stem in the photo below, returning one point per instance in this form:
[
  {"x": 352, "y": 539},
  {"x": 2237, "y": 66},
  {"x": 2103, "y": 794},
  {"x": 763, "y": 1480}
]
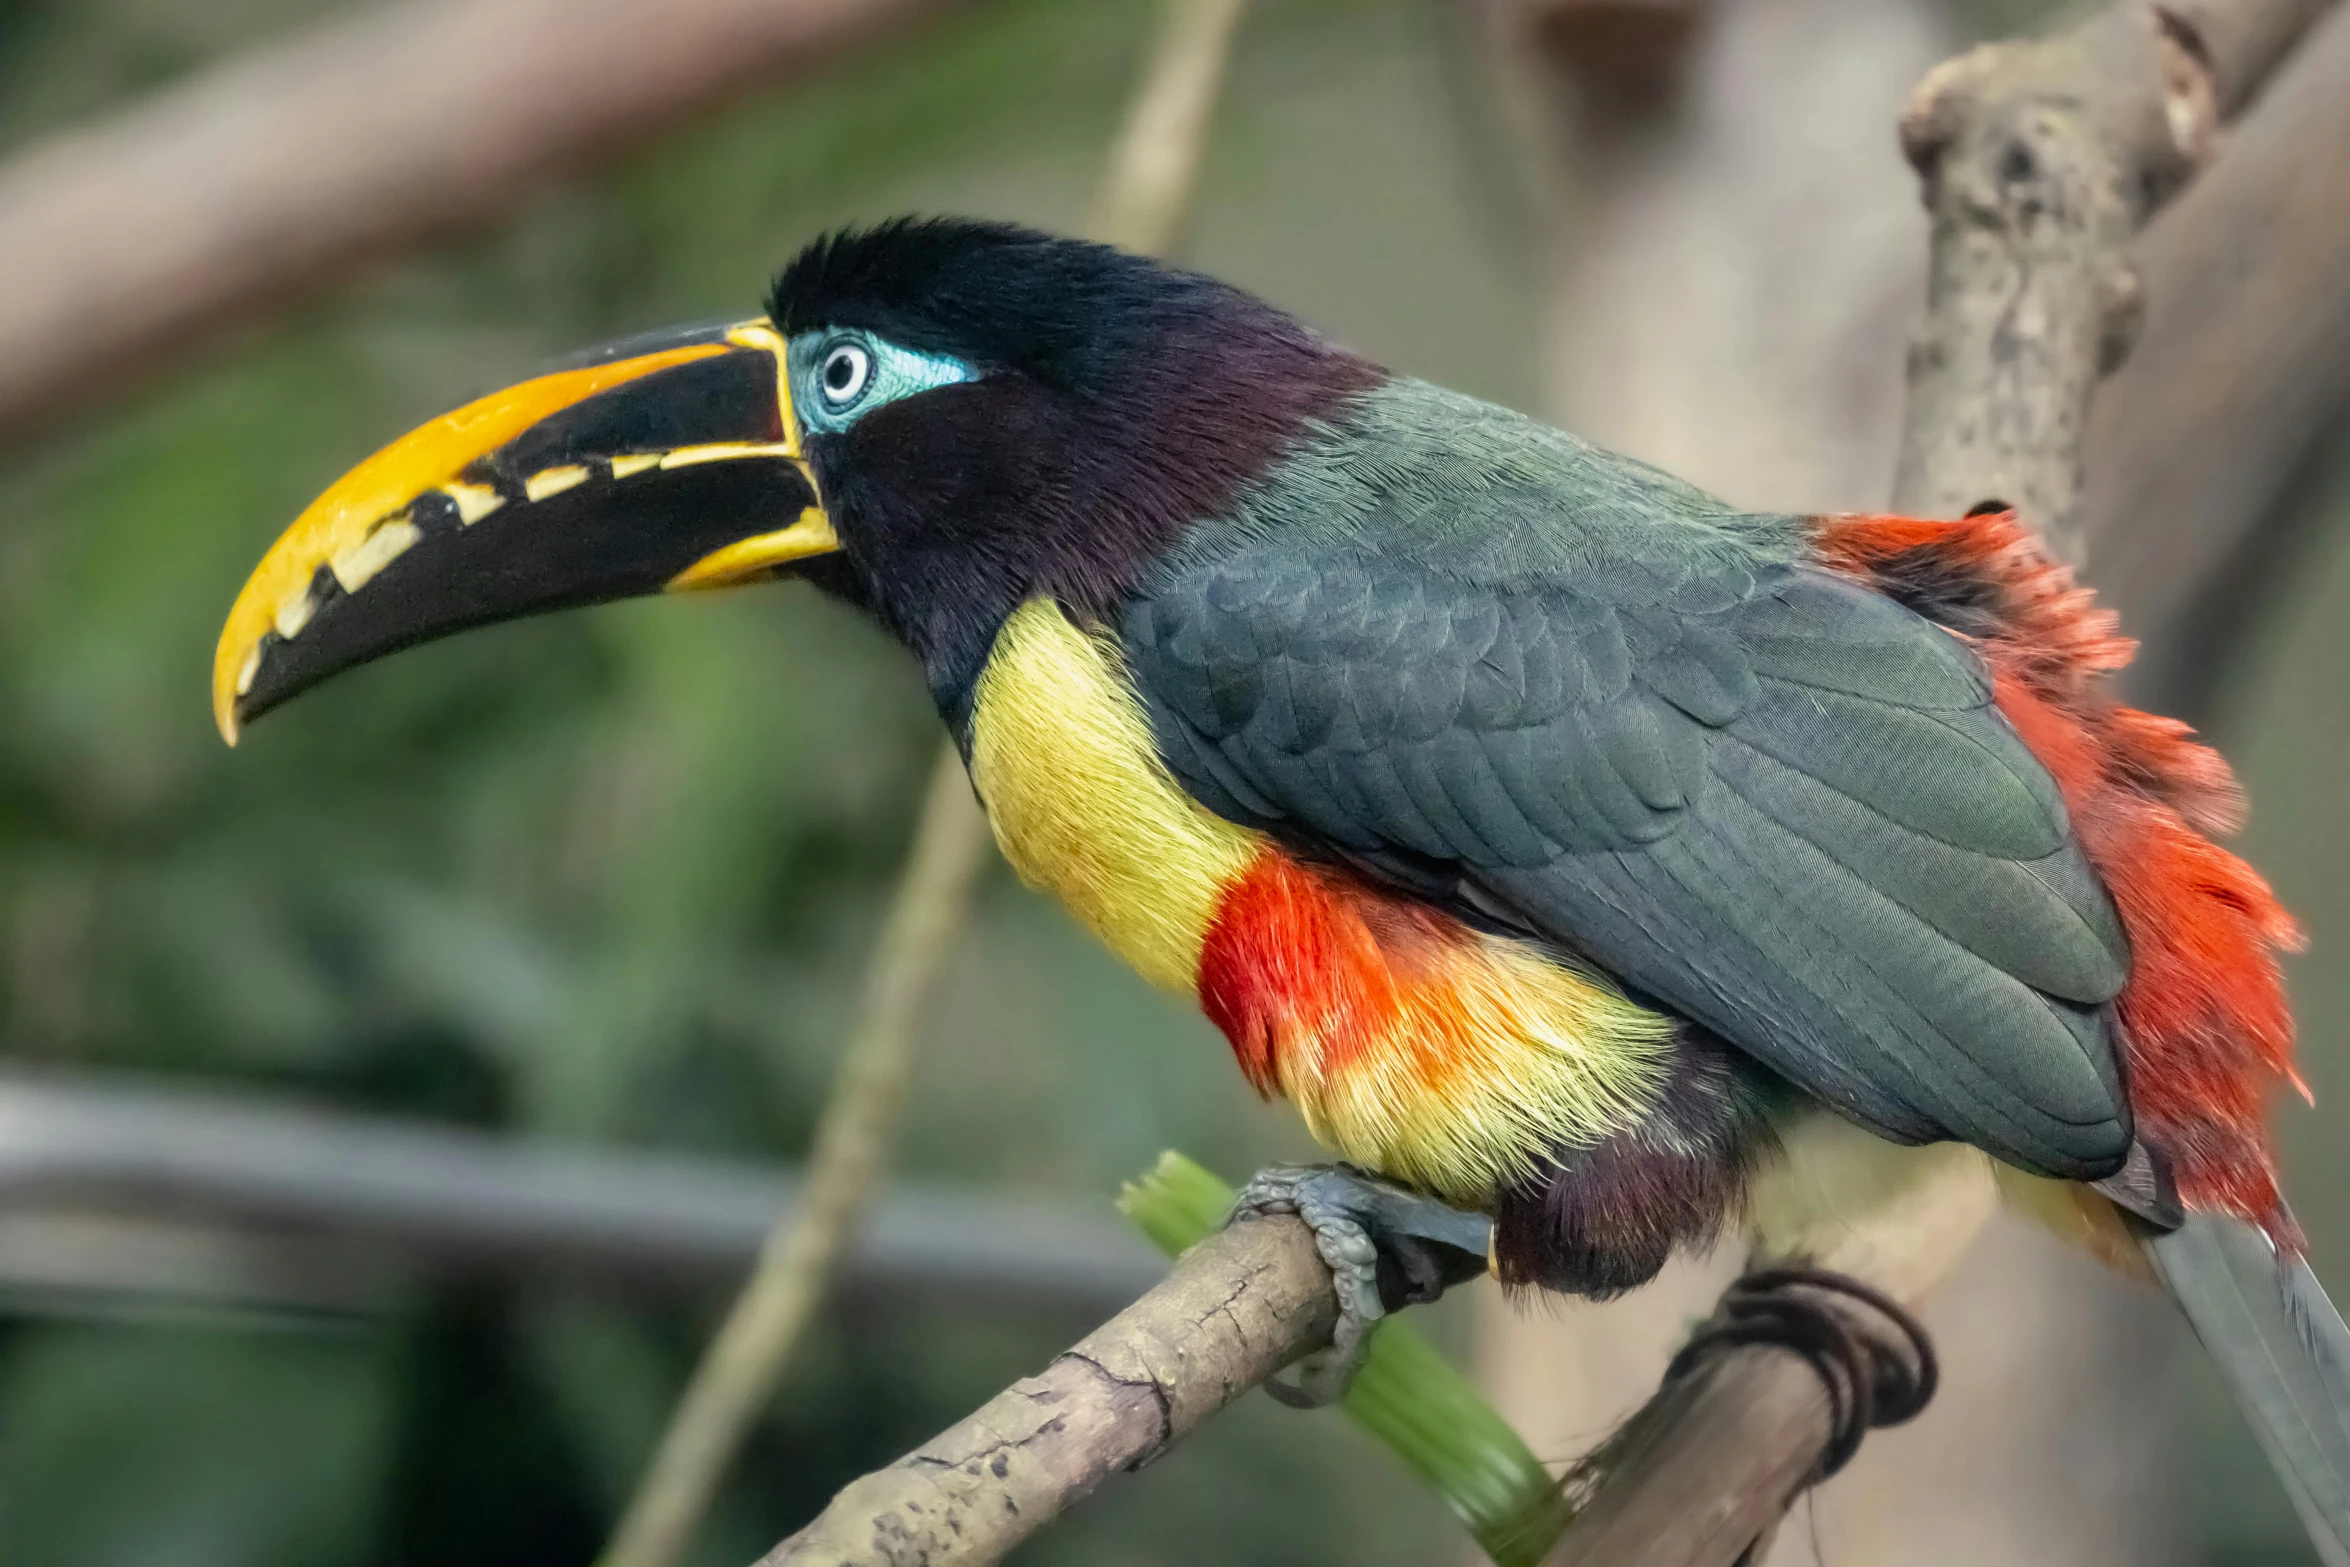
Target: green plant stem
[{"x": 1416, "y": 1403}]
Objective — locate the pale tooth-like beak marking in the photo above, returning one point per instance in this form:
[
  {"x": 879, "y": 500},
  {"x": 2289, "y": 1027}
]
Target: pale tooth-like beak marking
[
  {"x": 474, "y": 501},
  {"x": 372, "y": 554},
  {"x": 554, "y": 481}
]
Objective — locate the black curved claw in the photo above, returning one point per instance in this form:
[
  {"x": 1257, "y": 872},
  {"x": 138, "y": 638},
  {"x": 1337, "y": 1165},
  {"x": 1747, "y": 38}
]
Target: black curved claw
[
  {"x": 1875, "y": 1358},
  {"x": 1386, "y": 1248}
]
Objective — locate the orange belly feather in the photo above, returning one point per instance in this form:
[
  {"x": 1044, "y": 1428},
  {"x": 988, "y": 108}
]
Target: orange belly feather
[{"x": 1440, "y": 1054}]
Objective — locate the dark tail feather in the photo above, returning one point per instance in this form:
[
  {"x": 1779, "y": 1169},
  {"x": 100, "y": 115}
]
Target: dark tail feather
[{"x": 2284, "y": 1352}]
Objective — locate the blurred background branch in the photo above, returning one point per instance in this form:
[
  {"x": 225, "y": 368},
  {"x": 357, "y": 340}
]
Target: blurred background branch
[
  {"x": 1146, "y": 191},
  {"x": 738, "y": 1372},
  {"x": 225, "y": 198},
  {"x": 158, "y": 1199}
]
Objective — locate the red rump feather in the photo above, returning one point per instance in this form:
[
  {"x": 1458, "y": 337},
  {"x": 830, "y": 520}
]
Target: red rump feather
[{"x": 2205, "y": 1027}]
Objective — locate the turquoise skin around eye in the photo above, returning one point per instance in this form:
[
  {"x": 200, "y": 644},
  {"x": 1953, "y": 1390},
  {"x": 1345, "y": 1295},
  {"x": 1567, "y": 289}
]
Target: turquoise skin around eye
[{"x": 890, "y": 373}]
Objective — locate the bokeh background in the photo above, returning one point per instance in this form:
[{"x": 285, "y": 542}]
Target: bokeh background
[{"x": 605, "y": 883}]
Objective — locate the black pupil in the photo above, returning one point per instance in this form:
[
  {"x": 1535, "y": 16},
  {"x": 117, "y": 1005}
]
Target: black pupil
[{"x": 841, "y": 372}]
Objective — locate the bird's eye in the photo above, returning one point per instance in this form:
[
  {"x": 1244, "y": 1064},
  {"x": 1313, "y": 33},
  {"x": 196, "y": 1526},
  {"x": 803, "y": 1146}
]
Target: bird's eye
[{"x": 846, "y": 371}]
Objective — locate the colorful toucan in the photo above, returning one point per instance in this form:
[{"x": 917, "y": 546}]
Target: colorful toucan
[{"x": 1562, "y": 841}]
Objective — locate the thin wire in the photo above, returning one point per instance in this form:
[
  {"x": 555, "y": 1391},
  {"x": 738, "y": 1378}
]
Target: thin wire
[
  {"x": 743, "y": 1363},
  {"x": 1143, "y": 199}
]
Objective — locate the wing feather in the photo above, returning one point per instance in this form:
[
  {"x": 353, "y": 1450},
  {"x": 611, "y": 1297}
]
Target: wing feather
[{"x": 1780, "y": 804}]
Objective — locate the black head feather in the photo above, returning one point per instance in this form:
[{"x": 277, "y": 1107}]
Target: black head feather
[{"x": 1121, "y": 402}]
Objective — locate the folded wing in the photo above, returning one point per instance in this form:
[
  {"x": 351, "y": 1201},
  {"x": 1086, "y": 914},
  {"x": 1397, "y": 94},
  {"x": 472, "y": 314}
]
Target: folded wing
[{"x": 1780, "y": 804}]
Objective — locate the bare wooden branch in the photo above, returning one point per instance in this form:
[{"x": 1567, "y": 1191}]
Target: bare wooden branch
[
  {"x": 222, "y": 199},
  {"x": 1708, "y": 1466},
  {"x": 2042, "y": 159},
  {"x": 1238, "y": 1307}
]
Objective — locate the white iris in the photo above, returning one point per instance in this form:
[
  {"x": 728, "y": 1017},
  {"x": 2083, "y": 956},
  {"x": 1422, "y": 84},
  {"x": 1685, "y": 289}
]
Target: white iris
[{"x": 847, "y": 370}]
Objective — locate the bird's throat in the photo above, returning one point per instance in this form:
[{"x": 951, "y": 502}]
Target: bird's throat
[{"x": 1063, "y": 758}]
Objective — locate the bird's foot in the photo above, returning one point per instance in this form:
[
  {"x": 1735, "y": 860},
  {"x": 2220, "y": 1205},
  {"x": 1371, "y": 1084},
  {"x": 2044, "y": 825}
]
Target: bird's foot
[
  {"x": 1875, "y": 1358},
  {"x": 1386, "y": 1248}
]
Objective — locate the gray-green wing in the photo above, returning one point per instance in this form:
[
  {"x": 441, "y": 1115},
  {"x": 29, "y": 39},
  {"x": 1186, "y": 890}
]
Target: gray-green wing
[{"x": 1781, "y": 805}]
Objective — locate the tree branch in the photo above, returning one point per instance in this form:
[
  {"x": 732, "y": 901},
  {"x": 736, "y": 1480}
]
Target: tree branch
[
  {"x": 1146, "y": 193},
  {"x": 1706, "y": 1468},
  {"x": 1237, "y": 1308},
  {"x": 277, "y": 171},
  {"x": 738, "y": 1371},
  {"x": 360, "y": 1200},
  {"x": 2041, "y": 160}
]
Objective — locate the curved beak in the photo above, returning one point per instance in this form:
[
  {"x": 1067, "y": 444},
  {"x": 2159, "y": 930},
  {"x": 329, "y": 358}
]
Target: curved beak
[{"x": 663, "y": 463}]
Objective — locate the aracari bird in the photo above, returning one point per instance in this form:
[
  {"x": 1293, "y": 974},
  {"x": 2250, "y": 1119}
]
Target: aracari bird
[{"x": 1576, "y": 851}]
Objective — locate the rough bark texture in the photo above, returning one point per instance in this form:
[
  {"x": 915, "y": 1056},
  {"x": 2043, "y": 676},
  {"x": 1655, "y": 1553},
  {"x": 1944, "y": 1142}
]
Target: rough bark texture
[
  {"x": 279, "y": 170},
  {"x": 2042, "y": 159},
  {"x": 1238, "y": 1307}
]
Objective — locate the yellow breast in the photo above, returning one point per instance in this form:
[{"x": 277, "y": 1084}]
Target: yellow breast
[
  {"x": 1459, "y": 1069},
  {"x": 1063, "y": 759}
]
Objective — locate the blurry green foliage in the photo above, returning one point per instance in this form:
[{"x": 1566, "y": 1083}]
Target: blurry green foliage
[{"x": 251, "y": 1451}]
